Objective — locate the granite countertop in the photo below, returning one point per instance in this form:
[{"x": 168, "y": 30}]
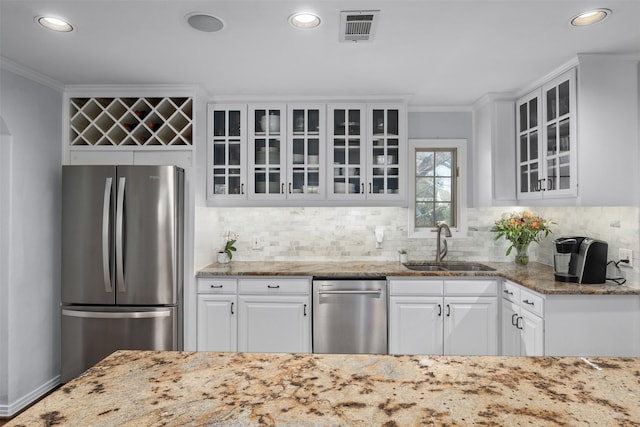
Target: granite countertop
[
  {"x": 535, "y": 276},
  {"x": 144, "y": 388}
]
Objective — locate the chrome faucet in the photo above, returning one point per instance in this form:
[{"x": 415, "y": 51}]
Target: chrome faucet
[{"x": 442, "y": 252}]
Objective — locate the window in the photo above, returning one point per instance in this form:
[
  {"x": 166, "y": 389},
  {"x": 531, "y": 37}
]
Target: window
[{"x": 437, "y": 186}]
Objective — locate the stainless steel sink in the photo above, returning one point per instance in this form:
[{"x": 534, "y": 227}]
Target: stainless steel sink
[{"x": 447, "y": 266}]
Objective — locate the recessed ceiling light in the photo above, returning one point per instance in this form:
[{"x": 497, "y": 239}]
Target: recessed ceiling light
[
  {"x": 204, "y": 22},
  {"x": 304, "y": 20},
  {"x": 55, "y": 24},
  {"x": 590, "y": 17}
]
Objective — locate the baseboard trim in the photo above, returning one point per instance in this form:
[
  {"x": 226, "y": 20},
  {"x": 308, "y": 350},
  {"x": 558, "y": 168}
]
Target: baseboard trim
[{"x": 13, "y": 408}]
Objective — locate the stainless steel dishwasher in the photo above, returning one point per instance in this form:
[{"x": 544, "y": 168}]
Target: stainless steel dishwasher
[{"x": 350, "y": 316}]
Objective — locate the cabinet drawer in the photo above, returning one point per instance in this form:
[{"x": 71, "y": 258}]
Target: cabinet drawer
[
  {"x": 532, "y": 302},
  {"x": 471, "y": 287},
  {"x": 415, "y": 287},
  {"x": 275, "y": 285},
  {"x": 511, "y": 291},
  {"x": 217, "y": 286}
]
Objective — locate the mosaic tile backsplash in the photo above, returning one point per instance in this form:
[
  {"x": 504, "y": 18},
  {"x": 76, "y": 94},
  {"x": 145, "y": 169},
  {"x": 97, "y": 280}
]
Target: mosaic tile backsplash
[{"x": 347, "y": 234}]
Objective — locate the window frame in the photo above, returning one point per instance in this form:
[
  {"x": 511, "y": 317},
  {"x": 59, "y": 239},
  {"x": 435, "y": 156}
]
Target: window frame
[{"x": 460, "y": 190}]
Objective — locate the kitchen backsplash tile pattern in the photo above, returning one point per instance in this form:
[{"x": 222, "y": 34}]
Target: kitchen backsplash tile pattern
[{"x": 347, "y": 233}]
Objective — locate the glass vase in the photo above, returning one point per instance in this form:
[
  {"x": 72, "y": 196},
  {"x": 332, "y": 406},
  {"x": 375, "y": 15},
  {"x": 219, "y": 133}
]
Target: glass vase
[{"x": 522, "y": 253}]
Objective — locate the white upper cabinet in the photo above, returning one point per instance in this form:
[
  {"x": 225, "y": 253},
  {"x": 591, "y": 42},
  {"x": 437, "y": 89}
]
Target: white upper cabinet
[
  {"x": 267, "y": 151},
  {"x": 227, "y": 152},
  {"x": 347, "y": 152},
  {"x": 546, "y": 140},
  {"x": 367, "y": 149},
  {"x": 385, "y": 154},
  {"x": 306, "y": 154}
]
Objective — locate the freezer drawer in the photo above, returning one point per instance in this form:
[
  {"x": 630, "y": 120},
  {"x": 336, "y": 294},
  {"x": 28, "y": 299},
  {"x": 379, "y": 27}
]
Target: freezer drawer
[{"x": 89, "y": 334}]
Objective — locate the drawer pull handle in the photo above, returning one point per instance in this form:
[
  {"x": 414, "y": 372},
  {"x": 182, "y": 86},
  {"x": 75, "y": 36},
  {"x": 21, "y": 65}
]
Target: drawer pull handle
[
  {"x": 273, "y": 287},
  {"x": 514, "y": 319},
  {"x": 528, "y": 302},
  {"x": 217, "y": 286},
  {"x": 506, "y": 291}
]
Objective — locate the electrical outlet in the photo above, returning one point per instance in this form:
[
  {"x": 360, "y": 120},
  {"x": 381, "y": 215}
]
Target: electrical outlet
[
  {"x": 625, "y": 254},
  {"x": 255, "y": 244}
]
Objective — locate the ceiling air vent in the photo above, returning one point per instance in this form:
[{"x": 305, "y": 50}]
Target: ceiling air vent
[{"x": 358, "y": 25}]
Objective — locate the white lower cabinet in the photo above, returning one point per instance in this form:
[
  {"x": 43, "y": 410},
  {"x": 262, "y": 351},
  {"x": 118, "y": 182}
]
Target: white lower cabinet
[
  {"x": 415, "y": 325},
  {"x": 254, "y": 315},
  {"x": 217, "y": 325},
  {"x": 470, "y": 325},
  {"x": 443, "y": 317},
  {"x": 522, "y": 331},
  {"x": 274, "y": 315}
]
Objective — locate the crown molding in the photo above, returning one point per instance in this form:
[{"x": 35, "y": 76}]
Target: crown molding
[{"x": 31, "y": 74}]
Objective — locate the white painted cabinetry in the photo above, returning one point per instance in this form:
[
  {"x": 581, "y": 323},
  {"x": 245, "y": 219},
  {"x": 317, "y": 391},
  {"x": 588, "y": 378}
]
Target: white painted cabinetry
[
  {"x": 443, "y": 317},
  {"x": 546, "y": 146},
  {"x": 281, "y": 154},
  {"x": 254, "y": 315},
  {"x": 522, "y": 321},
  {"x": 217, "y": 323},
  {"x": 274, "y": 315}
]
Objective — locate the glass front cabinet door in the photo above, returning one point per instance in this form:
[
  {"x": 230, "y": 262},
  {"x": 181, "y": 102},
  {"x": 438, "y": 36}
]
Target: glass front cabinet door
[
  {"x": 386, "y": 151},
  {"x": 306, "y": 151},
  {"x": 267, "y": 167},
  {"x": 226, "y": 151},
  {"x": 546, "y": 123},
  {"x": 367, "y": 146},
  {"x": 346, "y": 152}
]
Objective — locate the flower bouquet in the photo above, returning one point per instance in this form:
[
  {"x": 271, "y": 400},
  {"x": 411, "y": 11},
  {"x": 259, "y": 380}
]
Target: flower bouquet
[{"x": 521, "y": 228}]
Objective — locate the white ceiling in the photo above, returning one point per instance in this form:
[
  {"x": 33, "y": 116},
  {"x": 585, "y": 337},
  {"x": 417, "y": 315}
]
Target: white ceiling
[{"x": 439, "y": 52}]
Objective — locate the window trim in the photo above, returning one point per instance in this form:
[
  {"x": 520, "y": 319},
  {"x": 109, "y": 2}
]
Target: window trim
[{"x": 460, "y": 145}]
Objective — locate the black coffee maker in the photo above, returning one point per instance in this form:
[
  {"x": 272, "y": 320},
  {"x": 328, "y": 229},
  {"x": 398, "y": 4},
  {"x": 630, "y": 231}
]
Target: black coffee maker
[{"x": 580, "y": 260}]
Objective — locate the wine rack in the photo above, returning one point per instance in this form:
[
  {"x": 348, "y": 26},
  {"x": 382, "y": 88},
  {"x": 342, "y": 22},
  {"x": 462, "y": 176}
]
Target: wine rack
[{"x": 150, "y": 121}]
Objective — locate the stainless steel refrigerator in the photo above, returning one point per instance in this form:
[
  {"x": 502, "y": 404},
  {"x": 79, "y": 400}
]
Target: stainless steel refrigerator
[{"x": 122, "y": 261}]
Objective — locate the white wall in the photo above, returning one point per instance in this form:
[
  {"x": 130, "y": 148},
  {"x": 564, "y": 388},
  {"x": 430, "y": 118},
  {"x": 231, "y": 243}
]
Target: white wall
[
  {"x": 31, "y": 204},
  {"x": 5, "y": 272}
]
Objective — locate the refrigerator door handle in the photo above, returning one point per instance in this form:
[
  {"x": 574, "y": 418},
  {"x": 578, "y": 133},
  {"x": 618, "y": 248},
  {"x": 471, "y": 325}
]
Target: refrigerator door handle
[
  {"x": 119, "y": 235},
  {"x": 106, "y": 270},
  {"x": 117, "y": 315}
]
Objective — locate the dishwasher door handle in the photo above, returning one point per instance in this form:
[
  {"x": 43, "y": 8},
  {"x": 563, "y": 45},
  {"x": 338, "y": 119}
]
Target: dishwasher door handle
[{"x": 376, "y": 292}]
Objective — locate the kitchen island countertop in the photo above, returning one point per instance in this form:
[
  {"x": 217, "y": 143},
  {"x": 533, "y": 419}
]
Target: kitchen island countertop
[
  {"x": 135, "y": 388},
  {"x": 535, "y": 276}
]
